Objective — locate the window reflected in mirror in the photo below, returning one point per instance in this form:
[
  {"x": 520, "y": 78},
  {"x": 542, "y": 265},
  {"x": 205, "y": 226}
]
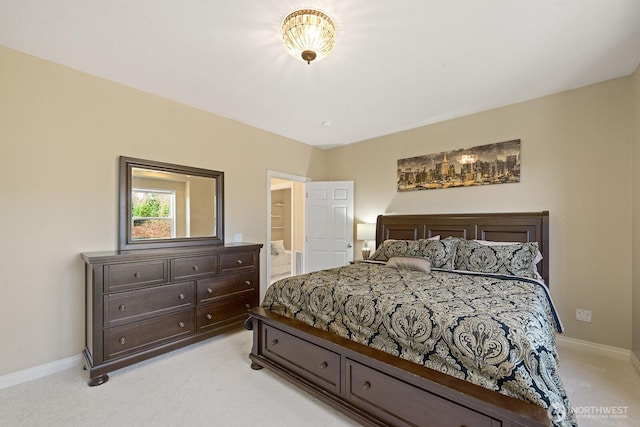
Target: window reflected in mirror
[
  {"x": 153, "y": 214},
  {"x": 169, "y": 205}
]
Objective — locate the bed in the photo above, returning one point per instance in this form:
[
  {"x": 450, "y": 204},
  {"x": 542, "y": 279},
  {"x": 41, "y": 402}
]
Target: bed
[
  {"x": 426, "y": 345},
  {"x": 280, "y": 260}
]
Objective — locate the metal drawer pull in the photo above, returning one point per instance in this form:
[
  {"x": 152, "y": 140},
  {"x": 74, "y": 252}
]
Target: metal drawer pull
[
  {"x": 123, "y": 340},
  {"x": 239, "y": 262},
  {"x": 209, "y": 290},
  {"x": 366, "y": 385},
  {"x": 122, "y": 307},
  {"x": 181, "y": 296},
  {"x": 323, "y": 365},
  {"x": 181, "y": 324},
  {"x": 248, "y": 305},
  {"x": 137, "y": 275},
  {"x": 196, "y": 268},
  {"x": 274, "y": 342},
  {"x": 248, "y": 282},
  {"x": 209, "y": 316}
]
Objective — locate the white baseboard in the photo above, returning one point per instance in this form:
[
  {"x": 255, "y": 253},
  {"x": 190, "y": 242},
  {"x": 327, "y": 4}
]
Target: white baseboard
[
  {"x": 635, "y": 362},
  {"x": 605, "y": 350},
  {"x": 36, "y": 372},
  {"x": 592, "y": 347}
]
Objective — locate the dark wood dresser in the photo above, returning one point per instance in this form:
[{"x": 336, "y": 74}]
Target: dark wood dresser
[{"x": 143, "y": 303}]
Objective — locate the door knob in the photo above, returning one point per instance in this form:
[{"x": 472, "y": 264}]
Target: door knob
[{"x": 349, "y": 245}]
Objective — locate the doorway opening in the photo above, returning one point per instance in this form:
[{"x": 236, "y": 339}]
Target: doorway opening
[{"x": 285, "y": 225}]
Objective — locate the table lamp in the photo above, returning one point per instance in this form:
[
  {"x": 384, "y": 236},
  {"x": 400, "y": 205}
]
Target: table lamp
[{"x": 366, "y": 232}]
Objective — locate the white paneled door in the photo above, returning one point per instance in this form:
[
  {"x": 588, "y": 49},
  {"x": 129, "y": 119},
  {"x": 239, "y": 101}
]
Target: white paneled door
[{"x": 328, "y": 224}]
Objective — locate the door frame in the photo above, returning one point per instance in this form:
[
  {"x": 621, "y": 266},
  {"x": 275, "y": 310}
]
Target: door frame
[{"x": 279, "y": 175}]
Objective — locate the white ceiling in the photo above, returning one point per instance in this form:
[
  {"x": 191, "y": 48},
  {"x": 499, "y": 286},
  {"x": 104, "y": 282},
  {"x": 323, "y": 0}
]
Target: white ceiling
[{"x": 397, "y": 64}]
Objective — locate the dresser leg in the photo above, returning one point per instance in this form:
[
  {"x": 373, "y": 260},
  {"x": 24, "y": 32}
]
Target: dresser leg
[
  {"x": 100, "y": 379},
  {"x": 255, "y": 366}
]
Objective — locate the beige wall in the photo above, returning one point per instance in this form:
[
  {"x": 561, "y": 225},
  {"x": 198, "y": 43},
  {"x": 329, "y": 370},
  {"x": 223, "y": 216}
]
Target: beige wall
[
  {"x": 61, "y": 132},
  {"x": 576, "y": 163},
  {"x": 635, "y": 79},
  {"x": 202, "y": 201}
]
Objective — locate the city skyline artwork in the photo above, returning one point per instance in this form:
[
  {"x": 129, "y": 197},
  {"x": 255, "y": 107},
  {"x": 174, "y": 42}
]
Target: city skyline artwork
[{"x": 497, "y": 163}]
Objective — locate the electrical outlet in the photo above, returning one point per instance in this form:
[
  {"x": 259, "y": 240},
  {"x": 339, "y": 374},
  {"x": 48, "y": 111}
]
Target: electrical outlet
[
  {"x": 583, "y": 315},
  {"x": 238, "y": 237}
]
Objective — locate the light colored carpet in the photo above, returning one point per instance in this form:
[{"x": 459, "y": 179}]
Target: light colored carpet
[
  {"x": 212, "y": 384},
  {"x": 604, "y": 388}
]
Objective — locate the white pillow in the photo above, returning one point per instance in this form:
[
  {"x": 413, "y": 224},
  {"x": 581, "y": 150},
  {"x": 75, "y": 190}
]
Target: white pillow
[
  {"x": 277, "y": 247},
  {"x": 410, "y": 263}
]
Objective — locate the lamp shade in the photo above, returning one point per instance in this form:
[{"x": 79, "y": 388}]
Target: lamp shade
[{"x": 366, "y": 232}]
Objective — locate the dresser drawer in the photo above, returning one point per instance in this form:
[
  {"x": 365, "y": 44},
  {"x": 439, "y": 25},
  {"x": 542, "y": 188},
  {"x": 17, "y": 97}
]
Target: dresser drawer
[
  {"x": 118, "y": 277},
  {"x": 121, "y": 340},
  {"x": 142, "y": 304},
  {"x": 400, "y": 403},
  {"x": 194, "y": 267},
  {"x": 217, "y": 288},
  {"x": 238, "y": 260},
  {"x": 228, "y": 311},
  {"x": 316, "y": 364}
]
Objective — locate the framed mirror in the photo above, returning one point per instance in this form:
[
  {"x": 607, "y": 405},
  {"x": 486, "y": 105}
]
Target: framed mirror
[{"x": 165, "y": 205}]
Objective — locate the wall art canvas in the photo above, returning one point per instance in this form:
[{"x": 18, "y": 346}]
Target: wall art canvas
[{"x": 497, "y": 163}]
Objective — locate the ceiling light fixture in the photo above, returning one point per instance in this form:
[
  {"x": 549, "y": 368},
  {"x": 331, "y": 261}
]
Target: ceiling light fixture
[{"x": 308, "y": 34}]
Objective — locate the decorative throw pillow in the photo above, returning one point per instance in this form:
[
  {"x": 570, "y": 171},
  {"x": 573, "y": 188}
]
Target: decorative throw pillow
[
  {"x": 441, "y": 253},
  {"x": 277, "y": 247},
  {"x": 513, "y": 259},
  {"x": 390, "y": 248},
  {"x": 536, "y": 260},
  {"x": 410, "y": 263},
  {"x": 455, "y": 239}
]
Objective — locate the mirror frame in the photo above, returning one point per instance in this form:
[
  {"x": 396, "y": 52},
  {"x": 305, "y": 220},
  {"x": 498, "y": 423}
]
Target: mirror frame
[{"x": 125, "y": 240}]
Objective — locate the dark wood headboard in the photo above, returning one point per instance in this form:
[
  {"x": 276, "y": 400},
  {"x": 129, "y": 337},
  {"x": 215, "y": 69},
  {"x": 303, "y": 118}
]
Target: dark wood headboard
[{"x": 503, "y": 227}]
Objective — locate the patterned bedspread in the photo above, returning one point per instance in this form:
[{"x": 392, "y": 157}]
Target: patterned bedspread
[{"x": 496, "y": 332}]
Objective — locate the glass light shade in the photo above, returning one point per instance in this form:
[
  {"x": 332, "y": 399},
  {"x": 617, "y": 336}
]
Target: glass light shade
[{"x": 308, "y": 34}]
